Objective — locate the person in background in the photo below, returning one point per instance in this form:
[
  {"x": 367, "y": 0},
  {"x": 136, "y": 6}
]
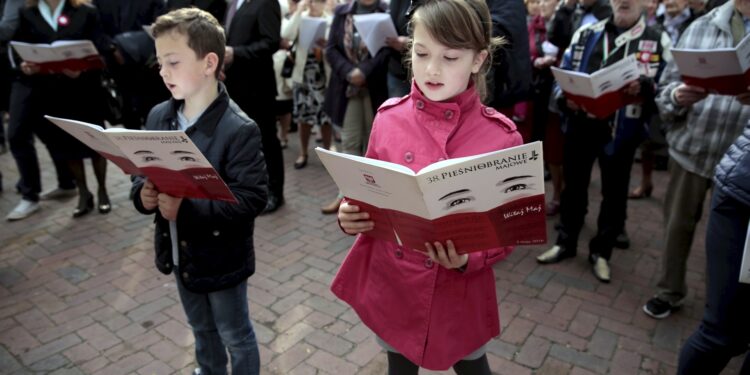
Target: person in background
[
  {"x": 358, "y": 83},
  {"x": 309, "y": 79},
  {"x": 253, "y": 29},
  {"x": 611, "y": 141},
  {"x": 574, "y": 14},
  {"x": 700, "y": 128},
  {"x": 217, "y": 8},
  {"x": 129, "y": 53},
  {"x": 69, "y": 94},
  {"x": 284, "y": 96},
  {"x": 724, "y": 331},
  {"x": 399, "y": 83}
]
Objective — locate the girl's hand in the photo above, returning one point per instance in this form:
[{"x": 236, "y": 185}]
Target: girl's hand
[
  {"x": 398, "y": 43},
  {"x": 72, "y": 73},
  {"x": 353, "y": 221},
  {"x": 446, "y": 256},
  {"x": 29, "y": 68},
  {"x": 169, "y": 206},
  {"x": 149, "y": 195}
]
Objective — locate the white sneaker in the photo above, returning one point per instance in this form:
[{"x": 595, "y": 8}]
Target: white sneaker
[{"x": 23, "y": 210}]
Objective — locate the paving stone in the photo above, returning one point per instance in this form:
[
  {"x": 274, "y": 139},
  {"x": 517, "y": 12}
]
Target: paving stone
[{"x": 578, "y": 358}]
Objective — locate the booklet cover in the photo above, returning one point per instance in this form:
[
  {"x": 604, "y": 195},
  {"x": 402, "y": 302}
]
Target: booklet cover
[
  {"x": 76, "y": 55},
  {"x": 310, "y": 30},
  {"x": 479, "y": 202},
  {"x": 374, "y": 28},
  {"x": 723, "y": 71},
  {"x": 168, "y": 158},
  {"x": 602, "y": 92}
]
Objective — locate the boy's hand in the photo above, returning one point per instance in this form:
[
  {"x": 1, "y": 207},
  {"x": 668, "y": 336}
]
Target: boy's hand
[
  {"x": 353, "y": 221},
  {"x": 149, "y": 196},
  {"x": 446, "y": 256},
  {"x": 169, "y": 206}
]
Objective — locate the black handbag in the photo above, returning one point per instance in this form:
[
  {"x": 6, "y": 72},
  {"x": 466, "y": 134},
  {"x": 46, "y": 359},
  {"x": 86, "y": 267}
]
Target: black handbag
[
  {"x": 288, "y": 68},
  {"x": 113, "y": 102}
]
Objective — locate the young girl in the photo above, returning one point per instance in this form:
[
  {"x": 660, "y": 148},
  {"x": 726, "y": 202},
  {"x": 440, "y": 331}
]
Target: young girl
[{"x": 431, "y": 307}]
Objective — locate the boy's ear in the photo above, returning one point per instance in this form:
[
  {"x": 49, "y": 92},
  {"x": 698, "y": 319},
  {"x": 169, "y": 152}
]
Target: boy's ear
[
  {"x": 479, "y": 59},
  {"x": 212, "y": 63}
]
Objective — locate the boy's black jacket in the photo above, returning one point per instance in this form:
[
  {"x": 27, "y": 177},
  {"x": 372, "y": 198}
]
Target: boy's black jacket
[{"x": 215, "y": 239}]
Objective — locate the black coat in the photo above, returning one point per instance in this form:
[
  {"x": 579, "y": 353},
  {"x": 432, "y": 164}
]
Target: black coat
[
  {"x": 57, "y": 94},
  {"x": 123, "y": 22},
  {"x": 217, "y": 8},
  {"x": 511, "y": 74},
  {"x": 254, "y": 34},
  {"x": 215, "y": 238}
]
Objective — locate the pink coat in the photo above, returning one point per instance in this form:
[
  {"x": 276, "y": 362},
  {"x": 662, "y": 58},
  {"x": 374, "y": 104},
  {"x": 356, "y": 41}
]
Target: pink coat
[{"x": 432, "y": 315}]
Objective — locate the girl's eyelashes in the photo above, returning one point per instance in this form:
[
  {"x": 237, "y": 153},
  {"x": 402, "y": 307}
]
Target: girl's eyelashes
[
  {"x": 450, "y": 58},
  {"x": 420, "y": 54}
]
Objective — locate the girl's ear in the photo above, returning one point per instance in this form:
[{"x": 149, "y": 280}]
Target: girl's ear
[
  {"x": 479, "y": 59},
  {"x": 212, "y": 63}
]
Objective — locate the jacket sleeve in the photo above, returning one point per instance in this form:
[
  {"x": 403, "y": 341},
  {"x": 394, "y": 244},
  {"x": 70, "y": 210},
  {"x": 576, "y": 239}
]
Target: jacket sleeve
[
  {"x": 290, "y": 29},
  {"x": 9, "y": 21},
  {"x": 673, "y": 114},
  {"x": 340, "y": 64},
  {"x": 481, "y": 259},
  {"x": 558, "y": 95},
  {"x": 269, "y": 25},
  {"x": 561, "y": 28},
  {"x": 245, "y": 175},
  {"x": 378, "y": 61}
]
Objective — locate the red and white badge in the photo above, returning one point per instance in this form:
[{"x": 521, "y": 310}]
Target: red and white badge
[
  {"x": 648, "y": 45},
  {"x": 645, "y": 57},
  {"x": 63, "y": 20}
]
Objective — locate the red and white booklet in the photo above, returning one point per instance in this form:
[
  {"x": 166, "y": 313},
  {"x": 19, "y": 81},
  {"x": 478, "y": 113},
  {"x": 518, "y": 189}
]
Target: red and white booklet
[
  {"x": 479, "y": 202},
  {"x": 168, "y": 158},
  {"x": 602, "y": 92},
  {"x": 723, "y": 71},
  {"x": 76, "y": 55}
]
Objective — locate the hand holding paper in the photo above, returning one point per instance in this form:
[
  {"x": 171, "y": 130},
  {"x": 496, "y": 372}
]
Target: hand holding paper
[
  {"x": 374, "y": 29},
  {"x": 352, "y": 220},
  {"x": 723, "y": 71}
]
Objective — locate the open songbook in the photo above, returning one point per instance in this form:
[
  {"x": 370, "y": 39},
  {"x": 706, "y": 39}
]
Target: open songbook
[
  {"x": 479, "y": 202},
  {"x": 168, "y": 158},
  {"x": 76, "y": 55},
  {"x": 724, "y": 71},
  {"x": 602, "y": 92}
]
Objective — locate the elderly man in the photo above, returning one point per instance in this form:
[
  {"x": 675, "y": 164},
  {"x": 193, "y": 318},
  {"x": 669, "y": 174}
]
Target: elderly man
[
  {"x": 701, "y": 128},
  {"x": 612, "y": 140}
]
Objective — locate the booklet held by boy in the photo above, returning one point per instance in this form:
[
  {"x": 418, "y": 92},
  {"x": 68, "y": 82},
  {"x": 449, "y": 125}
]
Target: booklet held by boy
[
  {"x": 601, "y": 93},
  {"x": 723, "y": 71},
  {"x": 479, "y": 202},
  {"x": 169, "y": 159},
  {"x": 75, "y": 55}
]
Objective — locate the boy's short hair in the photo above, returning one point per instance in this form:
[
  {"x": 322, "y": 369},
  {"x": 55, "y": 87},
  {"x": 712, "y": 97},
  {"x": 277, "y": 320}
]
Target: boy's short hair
[{"x": 204, "y": 33}]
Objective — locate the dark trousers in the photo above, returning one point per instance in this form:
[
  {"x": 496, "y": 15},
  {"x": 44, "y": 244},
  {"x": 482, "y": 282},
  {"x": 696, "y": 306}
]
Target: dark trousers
[
  {"x": 400, "y": 365},
  {"x": 586, "y": 142},
  {"x": 24, "y": 123},
  {"x": 266, "y": 120},
  {"x": 725, "y": 329}
]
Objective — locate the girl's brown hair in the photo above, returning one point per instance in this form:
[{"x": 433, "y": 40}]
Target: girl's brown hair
[
  {"x": 459, "y": 24},
  {"x": 74, "y": 3}
]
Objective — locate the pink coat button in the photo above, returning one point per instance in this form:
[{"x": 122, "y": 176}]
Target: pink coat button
[
  {"x": 428, "y": 263},
  {"x": 408, "y": 157},
  {"x": 489, "y": 110},
  {"x": 441, "y": 159},
  {"x": 448, "y": 114},
  {"x": 399, "y": 254},
  {"x": 420, "y": 104}
]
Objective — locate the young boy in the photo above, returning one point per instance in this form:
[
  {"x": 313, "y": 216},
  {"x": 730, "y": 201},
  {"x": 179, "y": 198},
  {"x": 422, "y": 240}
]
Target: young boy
[{"x": 208, "y": 244}]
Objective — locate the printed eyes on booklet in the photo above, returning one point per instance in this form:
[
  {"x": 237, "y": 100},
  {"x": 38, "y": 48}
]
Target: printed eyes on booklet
[
  {"x": 515, "y": 184},
  {"x": 457, "y": 199},
  {"x": 182, "y": 157}
]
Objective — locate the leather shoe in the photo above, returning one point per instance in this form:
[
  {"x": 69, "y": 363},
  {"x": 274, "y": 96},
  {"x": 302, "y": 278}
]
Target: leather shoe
[
  {"x": 301, "y": 162},
  {"x": 555, "y": 255},
  {"x": 622, "y": 241},
  {"x": 273, "y": 204},
  {"x": 600, "y": 268}
]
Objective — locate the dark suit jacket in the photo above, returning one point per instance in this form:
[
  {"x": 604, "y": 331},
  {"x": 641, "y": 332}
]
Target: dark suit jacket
[
  {"x": 217, "y": 8},
  {"x": 255, "y": 34},
  {"x": 119, "y": 16}
]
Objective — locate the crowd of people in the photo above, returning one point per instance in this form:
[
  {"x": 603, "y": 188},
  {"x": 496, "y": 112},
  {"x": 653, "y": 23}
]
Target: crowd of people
[{"x": 238, "y": 81}]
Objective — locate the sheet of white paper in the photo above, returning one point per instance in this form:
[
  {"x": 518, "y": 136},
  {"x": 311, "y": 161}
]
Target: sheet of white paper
[
  {"x": 745, "y": 267},
  {"x": 374, "y": 28},
  {"x": 611, "y": 78},
  {"x": 310, "y": 30}
]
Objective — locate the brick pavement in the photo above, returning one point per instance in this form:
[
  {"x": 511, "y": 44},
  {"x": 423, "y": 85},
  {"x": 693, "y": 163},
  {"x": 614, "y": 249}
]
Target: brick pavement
[{"x": 83, "y": 297}]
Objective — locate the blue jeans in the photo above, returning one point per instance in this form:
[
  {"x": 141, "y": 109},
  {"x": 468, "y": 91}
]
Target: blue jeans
[
  {"x": 725, "y": 329},
  {"x": 221, "y": 322}
]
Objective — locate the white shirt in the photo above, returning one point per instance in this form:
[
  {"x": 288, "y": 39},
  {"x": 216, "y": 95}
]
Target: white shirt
[{"x": 52, "y": 16}]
